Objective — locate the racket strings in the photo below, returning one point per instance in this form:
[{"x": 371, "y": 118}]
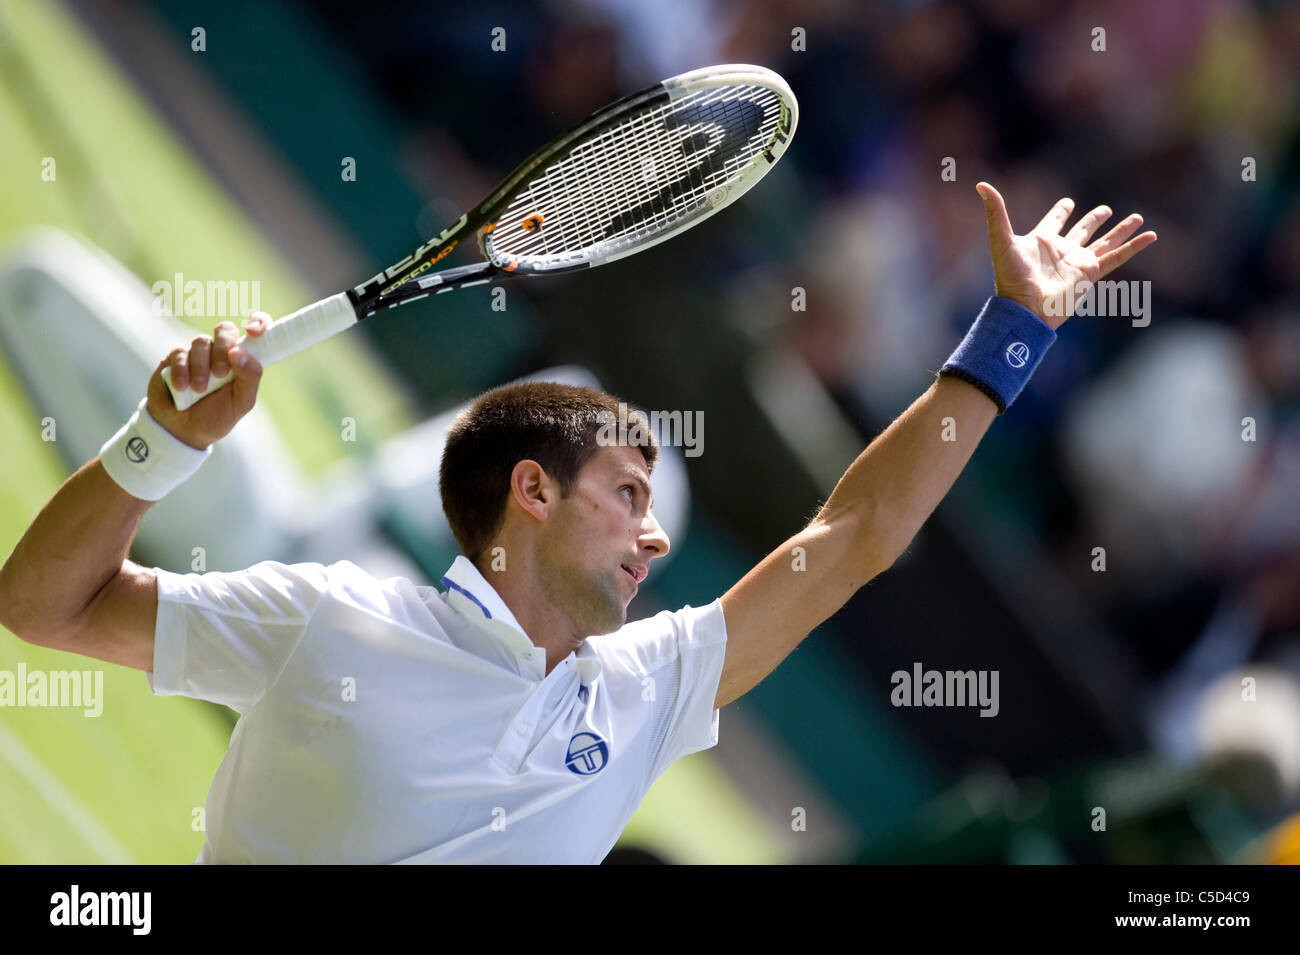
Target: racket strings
[
  {"x": 633, "y": 199},
  {"x": 645, "y": 175}
]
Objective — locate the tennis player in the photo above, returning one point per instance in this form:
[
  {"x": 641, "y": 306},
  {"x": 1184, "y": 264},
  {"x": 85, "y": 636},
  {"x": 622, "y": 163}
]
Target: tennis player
[{"x": 515, "y": 717}]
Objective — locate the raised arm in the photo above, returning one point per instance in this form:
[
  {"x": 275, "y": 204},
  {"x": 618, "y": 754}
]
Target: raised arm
[
  {"x": 896, "y": 483},
  {"x": 68, "y": 583}
]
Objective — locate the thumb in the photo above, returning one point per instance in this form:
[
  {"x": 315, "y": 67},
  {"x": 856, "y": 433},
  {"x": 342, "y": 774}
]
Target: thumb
[
  {"x": 995, "y": 211},
  {"x": 156, "y": 391},
  {"x": 247, "y": 372}
]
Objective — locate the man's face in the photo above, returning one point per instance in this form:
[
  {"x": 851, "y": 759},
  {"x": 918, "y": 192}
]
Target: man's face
[{"x": 601, "y": 541}]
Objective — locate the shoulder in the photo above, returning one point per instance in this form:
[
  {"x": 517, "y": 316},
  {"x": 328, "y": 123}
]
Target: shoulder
[
  {"x": 653, "y": 642},
  {"x": 273, "y": 586},
  {"x": 268, "y": 578},
  {"x": 275, "y": 592},
  {"x": 397, "y": 599}
]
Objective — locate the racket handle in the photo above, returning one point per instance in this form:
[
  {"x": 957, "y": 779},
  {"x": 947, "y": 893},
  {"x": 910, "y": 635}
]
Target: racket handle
[{"x": 291, "y": 334}]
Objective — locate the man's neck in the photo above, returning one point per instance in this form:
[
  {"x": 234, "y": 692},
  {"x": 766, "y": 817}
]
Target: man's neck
[{"x": 545, "y": 625}]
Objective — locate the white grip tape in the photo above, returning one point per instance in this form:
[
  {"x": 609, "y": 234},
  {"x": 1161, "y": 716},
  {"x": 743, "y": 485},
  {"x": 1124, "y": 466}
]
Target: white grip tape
[
  {"x": 146, "y": 460},
  {"x": 291, "y": 334}
]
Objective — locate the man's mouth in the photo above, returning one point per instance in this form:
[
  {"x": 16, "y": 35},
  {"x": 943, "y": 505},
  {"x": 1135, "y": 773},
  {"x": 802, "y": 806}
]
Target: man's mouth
[{"x": 635, "y": 571}]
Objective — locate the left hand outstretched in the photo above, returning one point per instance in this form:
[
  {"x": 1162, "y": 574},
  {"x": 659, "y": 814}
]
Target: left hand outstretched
[{"x": 1047, "y": 272}]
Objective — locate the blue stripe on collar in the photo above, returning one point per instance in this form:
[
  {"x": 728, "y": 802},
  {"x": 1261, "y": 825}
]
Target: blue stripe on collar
[{"x": 457, "y": 587}]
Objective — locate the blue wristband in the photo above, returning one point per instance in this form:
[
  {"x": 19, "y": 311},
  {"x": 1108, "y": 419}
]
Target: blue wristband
[{"x": 1001, "y": 350}]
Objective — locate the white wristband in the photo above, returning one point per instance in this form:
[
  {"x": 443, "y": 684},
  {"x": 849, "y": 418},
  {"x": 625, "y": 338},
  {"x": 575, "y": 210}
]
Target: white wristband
[{"x": 146, "y": 460}]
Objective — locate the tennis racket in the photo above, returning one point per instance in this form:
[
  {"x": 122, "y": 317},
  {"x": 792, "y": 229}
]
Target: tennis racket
[{"x": 633, "y": 174}]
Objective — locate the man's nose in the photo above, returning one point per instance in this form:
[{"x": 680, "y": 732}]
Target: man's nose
[{"x": 653, "y": 536}]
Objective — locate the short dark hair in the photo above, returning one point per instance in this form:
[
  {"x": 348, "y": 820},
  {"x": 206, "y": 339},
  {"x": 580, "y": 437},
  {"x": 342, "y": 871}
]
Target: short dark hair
[{"x": 555, "y": 425}]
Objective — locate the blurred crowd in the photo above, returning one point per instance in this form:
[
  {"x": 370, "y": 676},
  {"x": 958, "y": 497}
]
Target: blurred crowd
[{"x": 1173, "y": 445}]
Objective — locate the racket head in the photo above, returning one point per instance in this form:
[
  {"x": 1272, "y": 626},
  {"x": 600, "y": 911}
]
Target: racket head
[
  {"x": 641, "y": 170},
  {"x": 633, "y": 174}
]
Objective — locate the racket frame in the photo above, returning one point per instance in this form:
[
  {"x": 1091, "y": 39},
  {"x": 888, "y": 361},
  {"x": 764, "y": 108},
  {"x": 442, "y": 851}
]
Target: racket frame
[{"x": 406, "y": 281}]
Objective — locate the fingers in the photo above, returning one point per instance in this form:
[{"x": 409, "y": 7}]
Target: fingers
[
  {"x": 224, "y": 337},
  {"x": 995, "y": 211},
  {"x": 1115, "y": 237},
  {"x": 256, "y": 324},
  {"x": 1113, "y": 260},
  {"x": 200, "y": 361},
  {"x": 1085, "y": 227},
  {"x": 248, "y": 372},
  {"x": 179, "y": 360},
  {"x": 1051, "y": 223},
  {"x": 247, "y": 369},
  {"x": 244, "y": 365},
  {"x": 211, "y": 356}
]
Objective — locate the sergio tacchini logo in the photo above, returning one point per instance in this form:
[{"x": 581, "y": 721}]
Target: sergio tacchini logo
[
  {"x": 587, "y": 754},
  {"x": 137, "y": 450}
]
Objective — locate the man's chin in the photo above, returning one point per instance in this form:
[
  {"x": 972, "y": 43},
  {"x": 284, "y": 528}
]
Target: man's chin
[
  {"x": 615, "y": 620},
  {"x": 608, "y": 609},
  {"x": 610, "y": 627}
]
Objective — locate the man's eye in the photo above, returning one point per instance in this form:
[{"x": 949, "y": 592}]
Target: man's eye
[{"x": 628, "y": 488}]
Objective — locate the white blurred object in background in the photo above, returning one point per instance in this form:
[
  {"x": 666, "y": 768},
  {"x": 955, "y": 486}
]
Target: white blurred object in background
[
  {"x": 1255, "y": 729},
  {"x": 1157, "y": 451},
  {"x": 83, "y": 336}
]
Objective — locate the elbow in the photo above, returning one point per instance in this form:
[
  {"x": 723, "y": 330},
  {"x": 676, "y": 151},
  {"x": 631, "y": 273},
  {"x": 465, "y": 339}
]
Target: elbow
[
  {"x": 37, "y": 634},
  {"x": 871, "y": 565},
  {"x": 7, "y": 608},
  {"x": 885, "y": 550},
  {"x": 18, "y": 617},
  {"x": 13, "y": 621},
  {"x": 16, "y": 623}
]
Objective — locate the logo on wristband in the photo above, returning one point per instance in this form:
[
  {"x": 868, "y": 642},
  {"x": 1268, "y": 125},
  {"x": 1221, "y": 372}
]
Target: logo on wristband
[
  {"x": 137, "y": 450},
  {"x": 1017, "y": 354}
]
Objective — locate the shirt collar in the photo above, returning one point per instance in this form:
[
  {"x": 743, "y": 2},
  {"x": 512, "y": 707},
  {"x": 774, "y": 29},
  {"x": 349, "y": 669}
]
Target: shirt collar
[
  {"x": 469, "y": 592},
  {"x": 478, "y": 602}
]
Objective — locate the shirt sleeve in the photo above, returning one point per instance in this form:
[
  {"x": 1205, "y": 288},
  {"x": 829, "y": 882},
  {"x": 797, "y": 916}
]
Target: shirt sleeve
[
  {"x": 226, "y": 637},
  {"x": 681, "y": 652}
]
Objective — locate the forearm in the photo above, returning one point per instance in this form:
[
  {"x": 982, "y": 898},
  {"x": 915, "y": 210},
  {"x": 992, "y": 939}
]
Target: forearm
[
  {"x": 898, "y": 481},
  {"x": 76, "y": 545}
]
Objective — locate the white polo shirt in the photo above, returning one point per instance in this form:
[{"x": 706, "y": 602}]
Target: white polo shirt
[{"x": 388, "y": 722}]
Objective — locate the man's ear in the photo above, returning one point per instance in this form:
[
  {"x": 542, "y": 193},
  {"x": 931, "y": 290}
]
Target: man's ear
[{"x": 533, "y": 489}]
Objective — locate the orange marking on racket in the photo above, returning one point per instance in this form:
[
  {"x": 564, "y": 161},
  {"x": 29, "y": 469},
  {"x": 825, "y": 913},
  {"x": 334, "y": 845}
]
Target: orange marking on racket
[{"x": 532, "y": 222}]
